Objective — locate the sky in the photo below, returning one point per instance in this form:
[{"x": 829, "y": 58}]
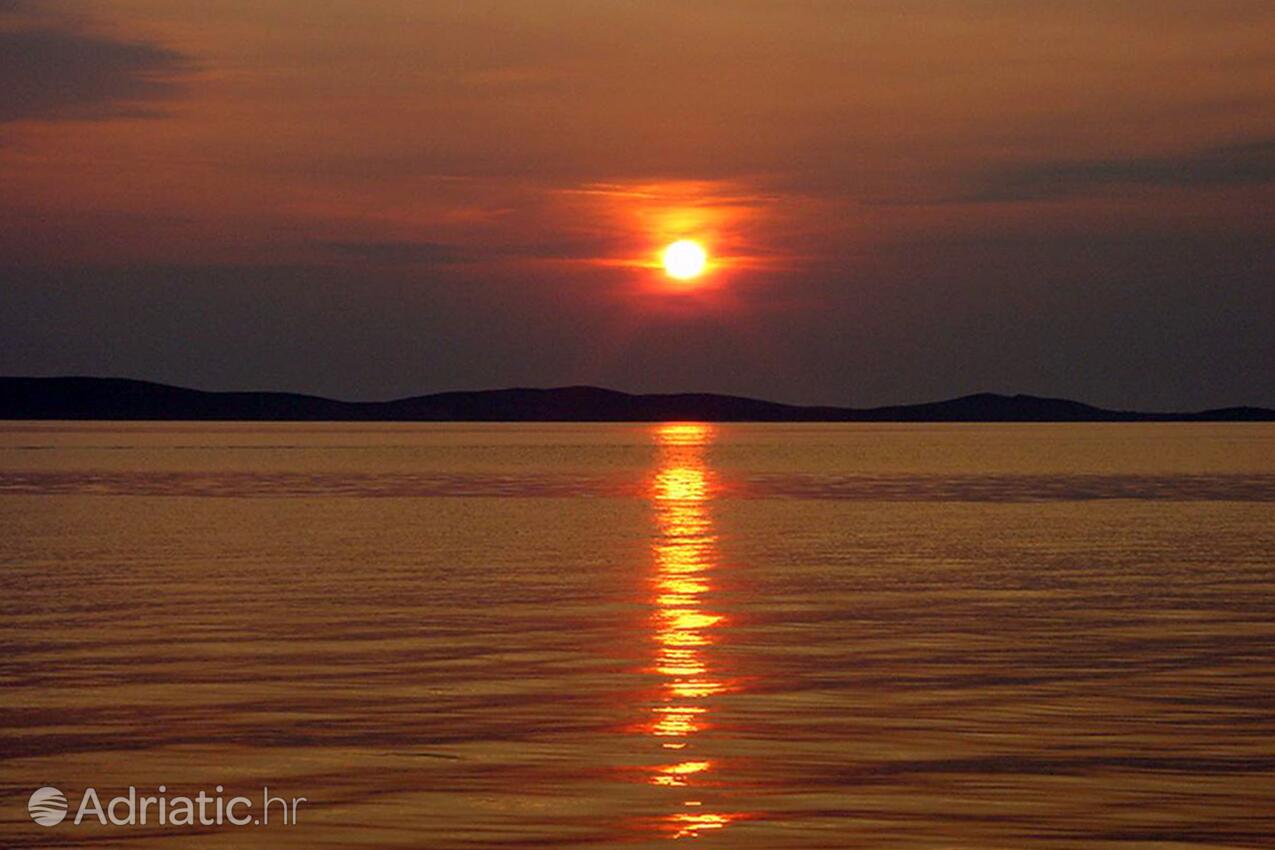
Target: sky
[{"x": 902, "y": 200}]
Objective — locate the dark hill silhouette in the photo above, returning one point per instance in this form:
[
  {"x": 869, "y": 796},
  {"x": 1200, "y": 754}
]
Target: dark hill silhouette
[{"x": 119, "y": 398}]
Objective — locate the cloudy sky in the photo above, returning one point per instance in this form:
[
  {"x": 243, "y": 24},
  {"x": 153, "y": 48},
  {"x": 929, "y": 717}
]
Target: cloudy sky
[{"x": 903, "y": 199}]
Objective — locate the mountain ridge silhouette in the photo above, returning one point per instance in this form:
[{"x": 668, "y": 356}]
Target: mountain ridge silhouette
[{"x": 90, "y": 398}]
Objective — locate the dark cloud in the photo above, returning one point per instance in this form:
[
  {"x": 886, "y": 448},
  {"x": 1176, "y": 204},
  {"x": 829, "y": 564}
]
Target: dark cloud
[
  {"x": 398, "y": 252},
  {"x": 53, "y": 74},
  {"x": 1230, "y": 165},
  {"x": 409, "y": 252}
]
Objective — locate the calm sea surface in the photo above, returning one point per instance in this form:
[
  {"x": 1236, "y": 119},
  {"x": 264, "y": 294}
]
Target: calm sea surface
[{"x": 597, "y": 636}]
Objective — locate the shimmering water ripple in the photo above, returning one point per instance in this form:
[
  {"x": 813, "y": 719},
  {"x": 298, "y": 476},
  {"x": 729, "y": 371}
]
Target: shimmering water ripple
[
  {"x": 871, "y": 488},
  {"x": 626, "y": 636}
]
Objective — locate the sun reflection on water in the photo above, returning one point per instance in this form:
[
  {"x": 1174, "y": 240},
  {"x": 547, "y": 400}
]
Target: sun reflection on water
[{"x": 683, "y": 629}]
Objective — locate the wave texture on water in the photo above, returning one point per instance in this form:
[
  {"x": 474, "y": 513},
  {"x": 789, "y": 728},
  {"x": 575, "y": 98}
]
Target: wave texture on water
[{"x": 755, "y": 638}]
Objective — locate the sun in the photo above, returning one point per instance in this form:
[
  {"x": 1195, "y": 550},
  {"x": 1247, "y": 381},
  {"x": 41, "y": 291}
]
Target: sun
[{"x": 685, "y": 259}]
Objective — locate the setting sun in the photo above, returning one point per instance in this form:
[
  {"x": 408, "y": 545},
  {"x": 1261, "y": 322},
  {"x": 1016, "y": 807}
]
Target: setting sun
[{"x": 685, "y": 259}]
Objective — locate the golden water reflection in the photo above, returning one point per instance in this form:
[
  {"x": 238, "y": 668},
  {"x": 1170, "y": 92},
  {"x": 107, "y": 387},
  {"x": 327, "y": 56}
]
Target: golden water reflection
[{"x": 684, "y": 629}]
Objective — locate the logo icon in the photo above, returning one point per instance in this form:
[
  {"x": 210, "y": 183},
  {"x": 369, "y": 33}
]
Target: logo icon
[{"x": 47, "y": 806}]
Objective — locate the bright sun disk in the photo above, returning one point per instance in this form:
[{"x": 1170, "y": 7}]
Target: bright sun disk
[{"x": 685, "y": 259}]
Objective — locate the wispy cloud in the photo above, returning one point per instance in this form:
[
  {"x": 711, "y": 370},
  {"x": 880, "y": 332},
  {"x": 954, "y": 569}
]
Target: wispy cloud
[
  {"x": 408, "y": 252},
  {"x": 1228, "y": 165},
  {"x": 396, "y": 252},
  {"x": 54, "y": 74}
]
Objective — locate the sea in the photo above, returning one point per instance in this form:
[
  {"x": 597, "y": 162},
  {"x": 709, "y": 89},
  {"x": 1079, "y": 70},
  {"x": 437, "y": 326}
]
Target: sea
[{"x": 885, "y": 636}]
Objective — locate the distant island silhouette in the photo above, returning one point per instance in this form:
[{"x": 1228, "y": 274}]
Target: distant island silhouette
[{"x": 120, "y": 398}]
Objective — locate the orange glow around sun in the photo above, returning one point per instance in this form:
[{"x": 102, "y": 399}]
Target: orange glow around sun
[{"x": 685, "y": 238}]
